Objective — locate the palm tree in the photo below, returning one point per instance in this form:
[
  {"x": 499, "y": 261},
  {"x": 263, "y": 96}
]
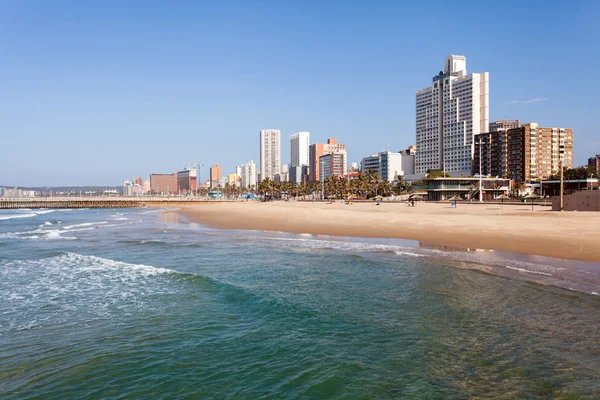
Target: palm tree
[
  {"x": 402, "y": 186},
  {"x": 518, "y": 188}
]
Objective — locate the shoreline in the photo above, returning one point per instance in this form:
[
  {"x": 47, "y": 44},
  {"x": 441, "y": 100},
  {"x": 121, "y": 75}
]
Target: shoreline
[{"x": 514, "y": 228}]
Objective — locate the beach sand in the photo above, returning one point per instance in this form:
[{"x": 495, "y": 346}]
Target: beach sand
[{"x": 566, "y": 235}]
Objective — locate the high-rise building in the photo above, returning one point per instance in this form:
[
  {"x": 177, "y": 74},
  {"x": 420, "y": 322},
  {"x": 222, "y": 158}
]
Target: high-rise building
[
  {"x": 449, "y": 113},
  {"x": 317, "y": 150},
  {"x": 332, "y": 164},
  {"x": 186, "y": 180},
  {"x": 389, "y": 165},
  {"x": 527, "y": 153},
  {"x": 215, "y": 175},
  {"x": 270, "y": 153},
  {"x": 249, "y": 177},
  {"x": 299, "y": 144},
  {"x": 494, "y": 149},
  {"x": 594, "y": 162}
]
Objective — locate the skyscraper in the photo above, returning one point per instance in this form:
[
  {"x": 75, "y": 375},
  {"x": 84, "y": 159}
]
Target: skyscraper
[
  {"x": 449, "y": 114},
  {"x": 299, "y": 143},
  {"x": 215, "y": 175},
  {"x": 270, "y": 153}
]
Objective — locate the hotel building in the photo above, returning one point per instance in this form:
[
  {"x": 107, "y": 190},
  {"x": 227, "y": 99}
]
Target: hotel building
[
  {"x": 449, "y": 113},
  {"x": 317, "y": 150},
  {"x": 270, "y": 153}
]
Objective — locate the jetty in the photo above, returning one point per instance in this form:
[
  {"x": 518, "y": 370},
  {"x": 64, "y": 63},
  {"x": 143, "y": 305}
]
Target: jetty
[{"x": 102, "y": 202}]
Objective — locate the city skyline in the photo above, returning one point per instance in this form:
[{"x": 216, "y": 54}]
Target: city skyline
[{"x": 88, "y": 105}]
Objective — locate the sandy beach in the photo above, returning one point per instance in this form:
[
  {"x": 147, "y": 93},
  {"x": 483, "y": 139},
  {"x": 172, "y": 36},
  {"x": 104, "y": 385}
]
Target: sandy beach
[{"x": 566, "y": 235}]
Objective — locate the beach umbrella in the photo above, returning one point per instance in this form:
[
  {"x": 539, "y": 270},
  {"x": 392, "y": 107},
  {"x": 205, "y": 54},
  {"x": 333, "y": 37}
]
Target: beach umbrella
[
  {"x": 532, "y": 197},
  {"x": 502, "y": 197},
  {"x": 415, "y": 197}
]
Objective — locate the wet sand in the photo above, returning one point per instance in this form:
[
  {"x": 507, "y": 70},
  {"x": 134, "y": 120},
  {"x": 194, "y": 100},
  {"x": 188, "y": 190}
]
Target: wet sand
[{"x": 515, "y": 228}]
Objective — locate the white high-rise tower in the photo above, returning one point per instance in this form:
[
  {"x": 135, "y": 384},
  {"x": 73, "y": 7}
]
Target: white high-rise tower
[
  {"x": 299, "y": 143},
  {"x": 270, "y": 153},
  {"x": 450, "y": 112}
]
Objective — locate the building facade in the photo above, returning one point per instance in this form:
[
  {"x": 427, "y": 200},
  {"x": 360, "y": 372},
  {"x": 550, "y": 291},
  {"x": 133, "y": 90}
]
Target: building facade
[
  {"x": 270, "y": 153},
  {"x": 299, "y": 148},
  {"x": 215, "y": 175},
  {"x": 249, "y": 173},
  {"x": 466, "y": 188},
  {"x": 526, "y": 154},
  {"x": 319, "y": 149},
  {"x": 332, "y": 164},
  {"x": 535, "y": 153},
  {"x": 389, "y": 165},
  {"x": 449, "y": 113},
  {"x": 298, "y": 174},
  {"x": 163, "y": 183},
  {"x": 504, "y": 125},
  {"x": 186, "y": 180}
]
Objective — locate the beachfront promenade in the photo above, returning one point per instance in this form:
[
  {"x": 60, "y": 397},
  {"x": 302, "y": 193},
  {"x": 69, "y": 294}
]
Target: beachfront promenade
[{"x": 100, "y": 202}]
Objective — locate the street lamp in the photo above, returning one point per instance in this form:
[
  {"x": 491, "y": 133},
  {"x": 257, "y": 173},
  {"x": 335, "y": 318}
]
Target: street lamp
[{"x": 480, "y": 181}]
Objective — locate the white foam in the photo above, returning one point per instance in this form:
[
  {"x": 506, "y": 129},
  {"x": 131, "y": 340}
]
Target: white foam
[
  {"x": 75, "y": 284},
  {"x": 84, "y": 224},
  {"x": 529, "y": 271},
  {"x": 405, "y": 253},
  {"x": 42, "y": 212},
  {"x": 15, "y": 216}
]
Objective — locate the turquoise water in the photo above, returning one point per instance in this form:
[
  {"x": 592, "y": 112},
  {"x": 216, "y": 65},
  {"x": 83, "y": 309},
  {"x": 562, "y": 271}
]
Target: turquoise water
[{"x": 138, "y": 304}]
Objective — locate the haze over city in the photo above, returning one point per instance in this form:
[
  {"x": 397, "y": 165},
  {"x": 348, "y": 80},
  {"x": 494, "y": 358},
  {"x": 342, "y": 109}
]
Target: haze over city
[{"x": 96, "y": 93}]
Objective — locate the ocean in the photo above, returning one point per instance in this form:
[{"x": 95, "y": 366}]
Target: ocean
[{"x": 143, "y": 304}]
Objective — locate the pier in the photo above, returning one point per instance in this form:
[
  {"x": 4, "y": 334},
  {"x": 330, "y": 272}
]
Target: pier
[{"x": 95, "y": 202}]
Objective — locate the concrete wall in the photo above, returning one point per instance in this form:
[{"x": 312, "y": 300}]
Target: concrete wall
[{"x": 587, "y": 200}]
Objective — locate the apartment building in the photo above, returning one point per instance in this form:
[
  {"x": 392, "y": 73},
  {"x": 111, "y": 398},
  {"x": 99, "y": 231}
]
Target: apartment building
[
  {"x": 270, "y": 153},
  {"x": 527, "y": 153},
  {"x": 449, "y": 114},
  {"x": 317, "y": 150}
]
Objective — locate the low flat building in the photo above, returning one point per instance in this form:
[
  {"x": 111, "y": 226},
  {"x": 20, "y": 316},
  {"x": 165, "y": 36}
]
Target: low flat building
[
  {"x": 552, "y": 188},
  {"x": 465, "y": 188}
]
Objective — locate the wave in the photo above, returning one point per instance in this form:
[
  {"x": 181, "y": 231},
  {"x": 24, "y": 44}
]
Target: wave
[
  {"x": 346, "y": 246},
  {"x": 15, "y": 216},
  {"x": 67, "y": 227},
  {"x": 528, "y": 271},
  {"x": 145, "y": 242}
]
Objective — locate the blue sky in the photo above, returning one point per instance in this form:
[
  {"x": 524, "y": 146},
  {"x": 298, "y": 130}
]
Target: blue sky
[{"x": 98, "y": 92}]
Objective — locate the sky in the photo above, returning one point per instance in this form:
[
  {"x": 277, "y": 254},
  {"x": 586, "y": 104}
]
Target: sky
[{"x": 96, "y": 92}]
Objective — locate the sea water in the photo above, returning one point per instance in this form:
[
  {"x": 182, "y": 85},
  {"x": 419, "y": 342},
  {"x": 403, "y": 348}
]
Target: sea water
[{"x": 139, "y": 303}]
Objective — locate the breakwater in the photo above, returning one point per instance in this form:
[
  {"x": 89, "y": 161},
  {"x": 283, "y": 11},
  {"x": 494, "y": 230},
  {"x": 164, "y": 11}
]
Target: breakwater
[{"x": 8, "y": 204}]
